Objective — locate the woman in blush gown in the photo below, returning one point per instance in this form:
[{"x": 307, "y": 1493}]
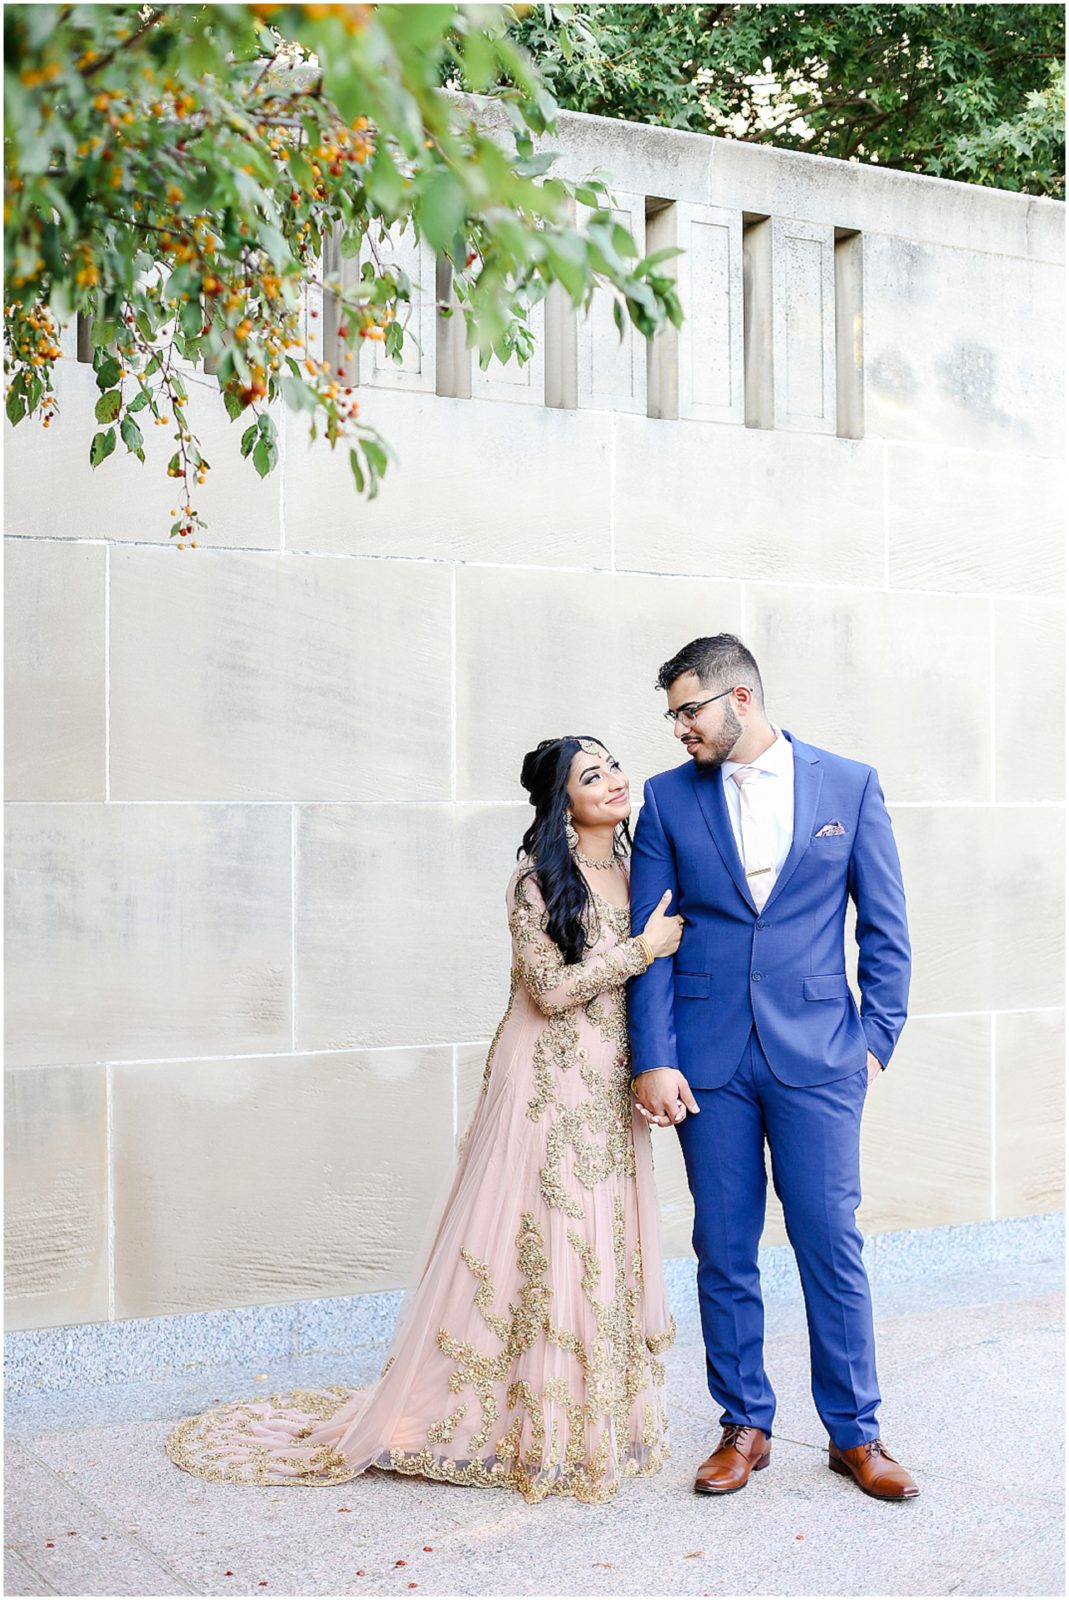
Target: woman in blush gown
[{"x": 527, "y": 1354}]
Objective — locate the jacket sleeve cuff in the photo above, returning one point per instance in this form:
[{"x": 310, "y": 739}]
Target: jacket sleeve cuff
[{"x": 880, "y": 1044}]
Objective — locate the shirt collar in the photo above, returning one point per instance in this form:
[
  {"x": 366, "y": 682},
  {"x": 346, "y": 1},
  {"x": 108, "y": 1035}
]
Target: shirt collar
[{"x": 777, "y": 759}]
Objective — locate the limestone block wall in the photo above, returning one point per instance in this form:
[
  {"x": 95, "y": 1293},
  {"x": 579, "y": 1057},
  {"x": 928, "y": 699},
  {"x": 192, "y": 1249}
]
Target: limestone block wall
[{"x": 263, "y": 797}]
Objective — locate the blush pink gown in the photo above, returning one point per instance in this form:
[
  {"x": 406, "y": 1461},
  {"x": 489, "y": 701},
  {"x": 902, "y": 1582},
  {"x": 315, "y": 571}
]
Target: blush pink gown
[{"x": 526, "y": 1356}]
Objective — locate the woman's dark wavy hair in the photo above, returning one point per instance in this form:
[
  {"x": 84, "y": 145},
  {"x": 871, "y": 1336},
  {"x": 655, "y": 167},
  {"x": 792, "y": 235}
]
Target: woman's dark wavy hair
[{"x": 544, "y": 775}]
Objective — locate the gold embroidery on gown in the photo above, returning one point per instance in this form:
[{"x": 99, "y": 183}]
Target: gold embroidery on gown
[{"x": 530, "y": 1357}]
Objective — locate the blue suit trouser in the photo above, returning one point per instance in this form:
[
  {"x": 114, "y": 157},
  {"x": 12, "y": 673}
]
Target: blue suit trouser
[{"x": 813, "y": 1137}]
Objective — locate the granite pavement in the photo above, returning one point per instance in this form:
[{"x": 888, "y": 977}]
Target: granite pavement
[{"x": 971, "y": 1367}]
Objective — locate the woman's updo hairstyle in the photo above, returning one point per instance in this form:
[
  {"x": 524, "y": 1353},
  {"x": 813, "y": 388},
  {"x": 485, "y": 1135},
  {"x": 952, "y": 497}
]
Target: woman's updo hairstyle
[{"x": 566, "y": 893}]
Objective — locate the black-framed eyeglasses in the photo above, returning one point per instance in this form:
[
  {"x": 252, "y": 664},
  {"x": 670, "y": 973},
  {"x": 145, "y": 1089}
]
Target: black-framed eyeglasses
[{"x": 688, "y": 712}]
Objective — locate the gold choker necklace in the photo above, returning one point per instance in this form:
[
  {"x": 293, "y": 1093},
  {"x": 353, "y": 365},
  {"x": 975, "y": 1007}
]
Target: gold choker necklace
[{"x": 591, "y": 861}]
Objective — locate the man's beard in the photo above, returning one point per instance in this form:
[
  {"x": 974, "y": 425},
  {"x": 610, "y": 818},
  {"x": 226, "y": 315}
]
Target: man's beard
[{"x": 711, "y": 754}]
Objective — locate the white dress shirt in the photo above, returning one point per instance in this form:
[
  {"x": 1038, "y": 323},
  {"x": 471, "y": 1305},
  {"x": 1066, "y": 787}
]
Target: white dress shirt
[{"x": 773, "y": 789}]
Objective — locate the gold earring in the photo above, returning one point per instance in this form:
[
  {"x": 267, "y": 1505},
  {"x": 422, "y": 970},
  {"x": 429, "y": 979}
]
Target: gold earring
[{"x": 569, "y": 832}]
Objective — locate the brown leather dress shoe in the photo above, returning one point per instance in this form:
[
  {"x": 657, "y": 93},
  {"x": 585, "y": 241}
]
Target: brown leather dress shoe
[
  {"x": 741, "y": 1450},
  {"x": 874, "y": 1470}
]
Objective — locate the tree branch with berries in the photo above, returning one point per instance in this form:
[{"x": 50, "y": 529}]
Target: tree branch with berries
[{"x": 175, "y": 174}]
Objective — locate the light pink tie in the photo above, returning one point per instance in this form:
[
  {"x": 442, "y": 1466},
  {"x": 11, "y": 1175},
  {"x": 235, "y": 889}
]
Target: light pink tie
[{"x": 758, "y": 842}]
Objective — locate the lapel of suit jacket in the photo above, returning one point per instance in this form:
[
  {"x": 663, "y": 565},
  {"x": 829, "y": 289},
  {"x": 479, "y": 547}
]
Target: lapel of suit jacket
[
  {"x": 709, "y": 787},
  {"x": 808, "y": 777}
]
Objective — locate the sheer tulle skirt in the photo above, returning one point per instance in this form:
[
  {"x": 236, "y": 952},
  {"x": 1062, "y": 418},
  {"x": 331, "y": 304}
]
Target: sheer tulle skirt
[{"x": 527, "y": 1355}]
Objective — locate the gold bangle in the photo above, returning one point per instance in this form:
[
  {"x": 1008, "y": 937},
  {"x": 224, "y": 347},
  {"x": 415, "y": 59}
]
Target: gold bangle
[{"x": 646, "y": 947}]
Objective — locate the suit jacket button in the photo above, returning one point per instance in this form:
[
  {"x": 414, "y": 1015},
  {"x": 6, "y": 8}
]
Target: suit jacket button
[
  {"x": 759, "y": 923},
  {"x": 756, "y": 976}
]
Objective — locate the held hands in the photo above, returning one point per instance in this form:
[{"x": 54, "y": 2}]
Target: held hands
[
  {"x": 663, "y": 1096},
  {"x": 662, "y": 933}
]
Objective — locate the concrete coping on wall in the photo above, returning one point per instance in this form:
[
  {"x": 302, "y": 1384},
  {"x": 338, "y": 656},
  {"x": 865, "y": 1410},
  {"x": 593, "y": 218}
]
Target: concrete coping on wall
[
  {"x": 96, "y": 1354},
  {"x": 704, "y": 169}
]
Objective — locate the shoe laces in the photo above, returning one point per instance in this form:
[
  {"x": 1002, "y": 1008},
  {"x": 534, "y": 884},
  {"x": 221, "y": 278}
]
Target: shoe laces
[
  {"x": 733, "y": 1433},
  {"x": 876, "y": 1447}
]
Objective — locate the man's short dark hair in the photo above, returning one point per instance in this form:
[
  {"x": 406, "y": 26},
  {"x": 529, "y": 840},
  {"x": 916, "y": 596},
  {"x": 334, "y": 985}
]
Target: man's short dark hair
[{"x": 719, "y": 662}]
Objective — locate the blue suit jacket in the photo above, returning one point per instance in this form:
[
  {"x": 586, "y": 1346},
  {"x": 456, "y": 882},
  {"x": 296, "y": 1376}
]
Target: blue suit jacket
[{"x": 783, "y": 968}]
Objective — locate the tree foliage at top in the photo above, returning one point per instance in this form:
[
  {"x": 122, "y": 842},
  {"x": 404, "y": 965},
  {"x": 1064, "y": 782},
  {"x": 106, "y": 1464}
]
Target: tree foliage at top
[
  {"x": 971, "y": 92},
  {"x": 173, "y": 173}
]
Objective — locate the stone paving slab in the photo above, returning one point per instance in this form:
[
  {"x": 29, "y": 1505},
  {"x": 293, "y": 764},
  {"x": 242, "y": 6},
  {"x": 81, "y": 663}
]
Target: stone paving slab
[
  {"x": 20, "y": 1578},
  {"x": 956, "y": 1389},
  {"x": 954, "y": 1380},
  {"x": 74, "y": 1544},
  {"x": 795, "y": 1530},
  {"x": 300, "y": 1539},
  {"x": 1035, "y": 1566}
]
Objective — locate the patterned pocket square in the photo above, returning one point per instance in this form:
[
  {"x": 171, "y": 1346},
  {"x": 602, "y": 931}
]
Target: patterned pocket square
[{"x": 829, "y": 830}]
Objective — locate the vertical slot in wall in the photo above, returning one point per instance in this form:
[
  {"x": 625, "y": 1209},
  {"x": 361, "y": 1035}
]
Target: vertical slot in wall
[
  {"x": 849, "y": 333},
  {"x": 562, "y": 342},
  {"x": 757, "y": 330},
  {"x": 453, "y": 361},
  {"x": 662, "y": 353}
]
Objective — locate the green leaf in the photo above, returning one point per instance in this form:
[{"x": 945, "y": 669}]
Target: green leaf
[
  {"x": 16, "y": 406},
  {"x": 658, "y": 256},
  {"x": 479, "y": 64},
  {"x": 394, "y": 340},
  {"x": 376, "y": 455},
  {"x": 417, "y": 28},
  {"x": 265, "y": 449},
  {"x": 132, "y": 436},
  {"x": 108, "y": 406},
  {"x": 248, "y": 439},
  {"x": 297, "y": 394},
  {"x": 274, "y": 243},
  {"x": 102, "y": 446},
  {"x": 347, "y": 90},
  {"x": 108, "y": 373},
  {"x": 623, "y": 241},
  {"x": 139, "y": 402},
  {"x": 534, "y": 166},
  {"x": 441, "y": 210},
  {"x": 357, "y": 470},
  {"x": 233, "y": 404},
  {"x": 300, "y": 168},
  {"x": 567, "y": 255},
  {"x": 384, "y": 183},
  {"x": 61, "y": 300},
  {"x": 191, "y": 318}
]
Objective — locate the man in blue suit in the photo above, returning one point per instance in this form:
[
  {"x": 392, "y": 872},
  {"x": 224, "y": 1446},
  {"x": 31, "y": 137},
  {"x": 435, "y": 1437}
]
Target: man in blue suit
[{"x": 751, "y": 1033}]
